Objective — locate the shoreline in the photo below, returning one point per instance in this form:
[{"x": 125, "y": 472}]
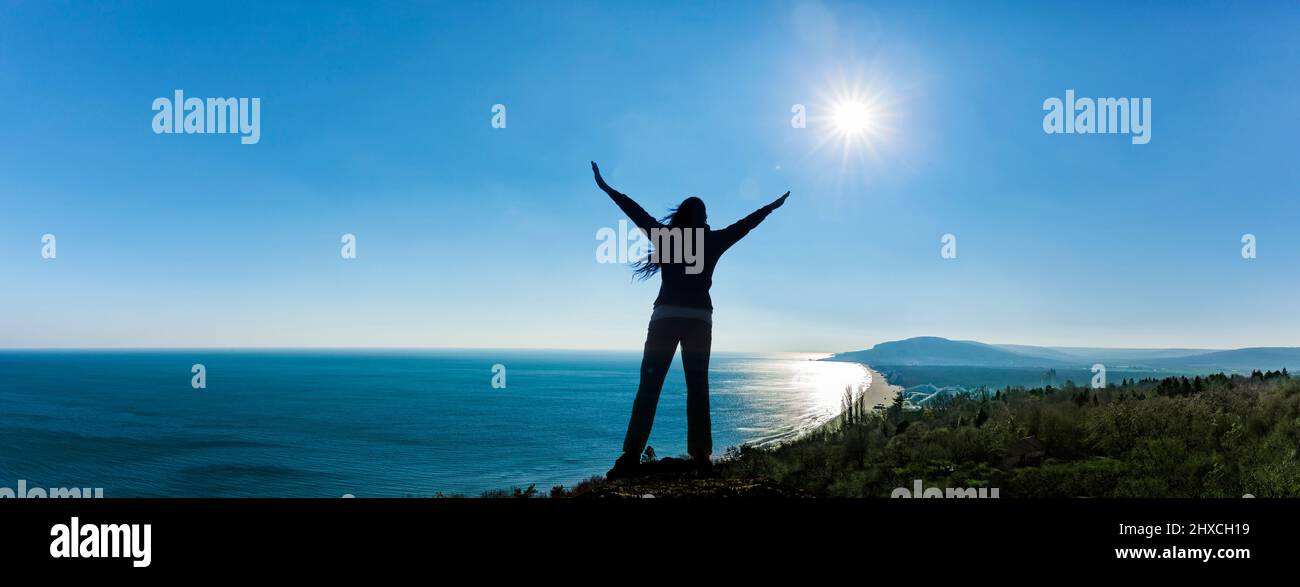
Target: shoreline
[{"x": 879, "y": 392}]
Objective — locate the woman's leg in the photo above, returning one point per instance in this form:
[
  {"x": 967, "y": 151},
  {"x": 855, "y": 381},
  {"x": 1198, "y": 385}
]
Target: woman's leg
[
  {"x": 697, "y": 343},
  {"x": 660, "y": 345}
]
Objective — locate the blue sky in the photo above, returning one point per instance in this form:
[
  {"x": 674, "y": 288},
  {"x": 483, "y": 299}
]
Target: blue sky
[{"x": 375, "y": 121}]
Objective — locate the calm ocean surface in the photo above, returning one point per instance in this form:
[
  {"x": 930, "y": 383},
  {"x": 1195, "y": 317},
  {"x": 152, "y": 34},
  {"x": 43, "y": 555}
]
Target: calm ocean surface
[{"x": 307, "y": 423}]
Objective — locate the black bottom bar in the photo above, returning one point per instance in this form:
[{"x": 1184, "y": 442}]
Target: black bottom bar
[{"x": 576, "y": 538}]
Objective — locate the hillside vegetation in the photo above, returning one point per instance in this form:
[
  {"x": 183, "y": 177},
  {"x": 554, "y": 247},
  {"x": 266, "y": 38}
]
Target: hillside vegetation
[{"x": 1215, "y": 436}]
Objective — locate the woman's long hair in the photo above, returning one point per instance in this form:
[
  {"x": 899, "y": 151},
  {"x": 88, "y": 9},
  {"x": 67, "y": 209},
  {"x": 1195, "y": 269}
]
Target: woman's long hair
[{"x": 689, "y": 214}]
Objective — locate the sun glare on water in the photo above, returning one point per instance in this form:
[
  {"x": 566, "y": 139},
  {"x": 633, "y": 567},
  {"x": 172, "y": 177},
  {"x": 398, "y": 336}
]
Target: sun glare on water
[{"x": 825, "y": 382}]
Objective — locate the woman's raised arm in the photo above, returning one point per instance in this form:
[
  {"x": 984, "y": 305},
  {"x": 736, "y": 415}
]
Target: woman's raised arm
[
  {"x": 736, "y": 231},
  {"x": 633, "y": 210}
]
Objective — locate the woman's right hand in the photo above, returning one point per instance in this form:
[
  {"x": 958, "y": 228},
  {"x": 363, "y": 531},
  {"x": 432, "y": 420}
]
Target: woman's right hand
[{"x": 776, "y": 204}]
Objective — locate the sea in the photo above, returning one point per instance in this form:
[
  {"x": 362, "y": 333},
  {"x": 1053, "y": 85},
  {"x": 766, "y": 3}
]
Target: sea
[{"x": 370, "y": 423}]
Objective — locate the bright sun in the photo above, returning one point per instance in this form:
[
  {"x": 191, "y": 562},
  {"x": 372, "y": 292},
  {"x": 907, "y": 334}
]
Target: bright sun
[
  {"x": 853, "y": 118},
  {"x": 855, "y": 122}
]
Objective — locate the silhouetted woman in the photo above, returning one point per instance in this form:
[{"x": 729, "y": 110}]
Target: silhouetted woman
[{"x": 683, "y": 313}]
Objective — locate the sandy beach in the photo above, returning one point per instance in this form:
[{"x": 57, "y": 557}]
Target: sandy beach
[{"x": 880, "y": 392}]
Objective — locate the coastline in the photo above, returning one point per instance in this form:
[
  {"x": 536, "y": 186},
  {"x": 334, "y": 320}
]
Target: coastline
[{"x": 879, "y": 392}]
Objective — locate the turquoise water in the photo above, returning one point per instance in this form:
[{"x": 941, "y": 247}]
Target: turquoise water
[{"x": 369, "y": 423}]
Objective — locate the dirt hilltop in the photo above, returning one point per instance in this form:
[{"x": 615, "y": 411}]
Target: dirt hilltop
[{"x": 674, "y": 478}]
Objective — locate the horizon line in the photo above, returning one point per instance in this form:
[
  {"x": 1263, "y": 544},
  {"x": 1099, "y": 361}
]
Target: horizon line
[{"x": 587, "y": 349}]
